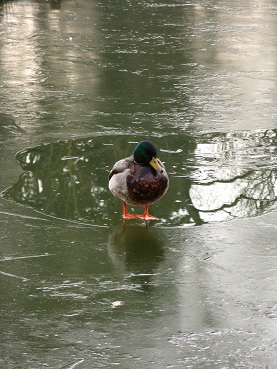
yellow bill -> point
(155, 164)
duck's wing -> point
(121, 165)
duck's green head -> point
(146, 153)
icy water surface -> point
(80, 84)
(213, 177)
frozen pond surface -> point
(80, 84)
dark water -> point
(213, 177)
(80, 84)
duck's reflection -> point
(214, 178)
(136, 252)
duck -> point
(139, 180)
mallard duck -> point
(139, 180)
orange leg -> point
(144, 216)
(126, 214)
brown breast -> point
(146, 185)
